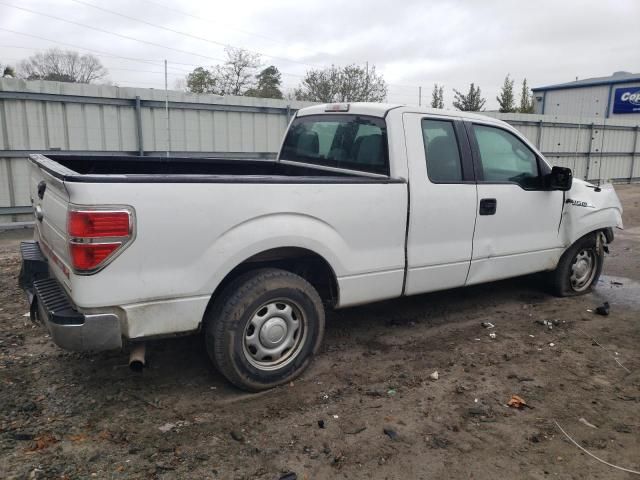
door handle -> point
(488, 206)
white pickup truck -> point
(365, 202)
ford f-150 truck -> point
(364, 202)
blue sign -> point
(627, 100)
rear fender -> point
(271, 231)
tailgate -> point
(50, 200)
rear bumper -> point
(50, 304)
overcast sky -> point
(411, 42)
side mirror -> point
(560, 178)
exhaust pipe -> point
(137, 359)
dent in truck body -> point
(587, 210)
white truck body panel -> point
(190, 236)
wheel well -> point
(309, 265)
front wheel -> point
(264, 328)
(579, 267)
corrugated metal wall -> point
(594, 148)
(58, 117)
(50, 117)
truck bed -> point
(120, 169)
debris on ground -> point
(603, 309)
(487, 325)
(391, 433)
(237, 436)
(492, 335)
(587, 423)
(518, 402)
(289, 476)
(167, 427)
(321, 423)
(356, 431)
(43, 441)
(434, 376)
(548, 323)
(391, 392)
(438, 442)
(614, 282)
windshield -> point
(344, 141)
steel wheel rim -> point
(583, 270)
(274, 335)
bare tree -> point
(342, 84)
(239, 71)
(62, 66)
(234, 77)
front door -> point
(517, 227)
(443, 202)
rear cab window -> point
(354, 142)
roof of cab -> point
(381, 110)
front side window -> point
(441, 151)
(505, 158)
(344, 141)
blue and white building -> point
(615, 96)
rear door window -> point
(441, 151)
(343, 141)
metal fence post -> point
(139, 126)
(539, 138)
(586, 175)
(633, 154)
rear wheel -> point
(264, 328)
(579, 267)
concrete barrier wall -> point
(54, 117)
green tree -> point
(351, 83)
(470, 102)
(201, 81)
(437, 96)
(526, 99)
(268, 86)
(506, 99)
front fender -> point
(587, 210)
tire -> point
(579, 268)
(264, 329)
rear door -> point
(517, 228)
(443, 202)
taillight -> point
(97, 224)
(95, 236)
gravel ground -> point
(71, 415)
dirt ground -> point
(70, 415)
